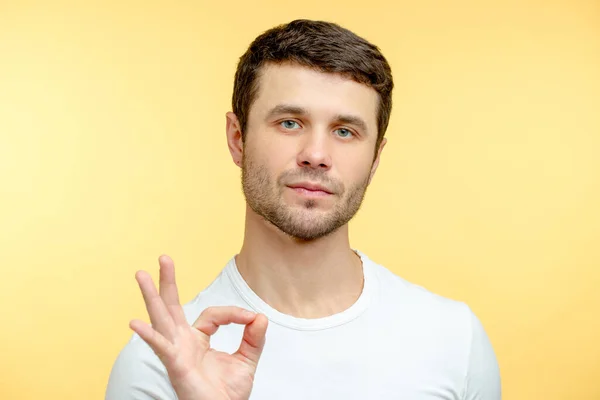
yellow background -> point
(112, 152)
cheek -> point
(355, 168)
(277, 154)
(268, 160)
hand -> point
(196, 371)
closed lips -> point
(310, 186)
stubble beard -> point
(264, 195)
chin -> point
(309, 214)
(311, 228)
(307, 235)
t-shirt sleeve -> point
(138, 374)
(483, 374)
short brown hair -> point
(324, 46)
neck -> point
(311, 279)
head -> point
(311, 105)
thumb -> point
(253, 341)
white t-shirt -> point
(397, 341)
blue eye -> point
(342, 132)
(288, 124)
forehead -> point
(320, 93)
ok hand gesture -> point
(196, 371)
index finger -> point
(211, 318)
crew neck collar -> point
(288, 321)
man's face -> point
(308, 151)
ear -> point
(376, 162)
(234, 138)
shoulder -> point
(448, 326)
(398, 295)
(420, 315)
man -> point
(299, 313)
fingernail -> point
(248, 313)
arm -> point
(483, 375)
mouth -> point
(310, 189)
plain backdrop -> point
(113, 152)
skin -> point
(303, 127)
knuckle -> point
(208, 312)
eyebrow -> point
(286, 109)
(352, 120)
(296, 110)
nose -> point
(314, 151)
